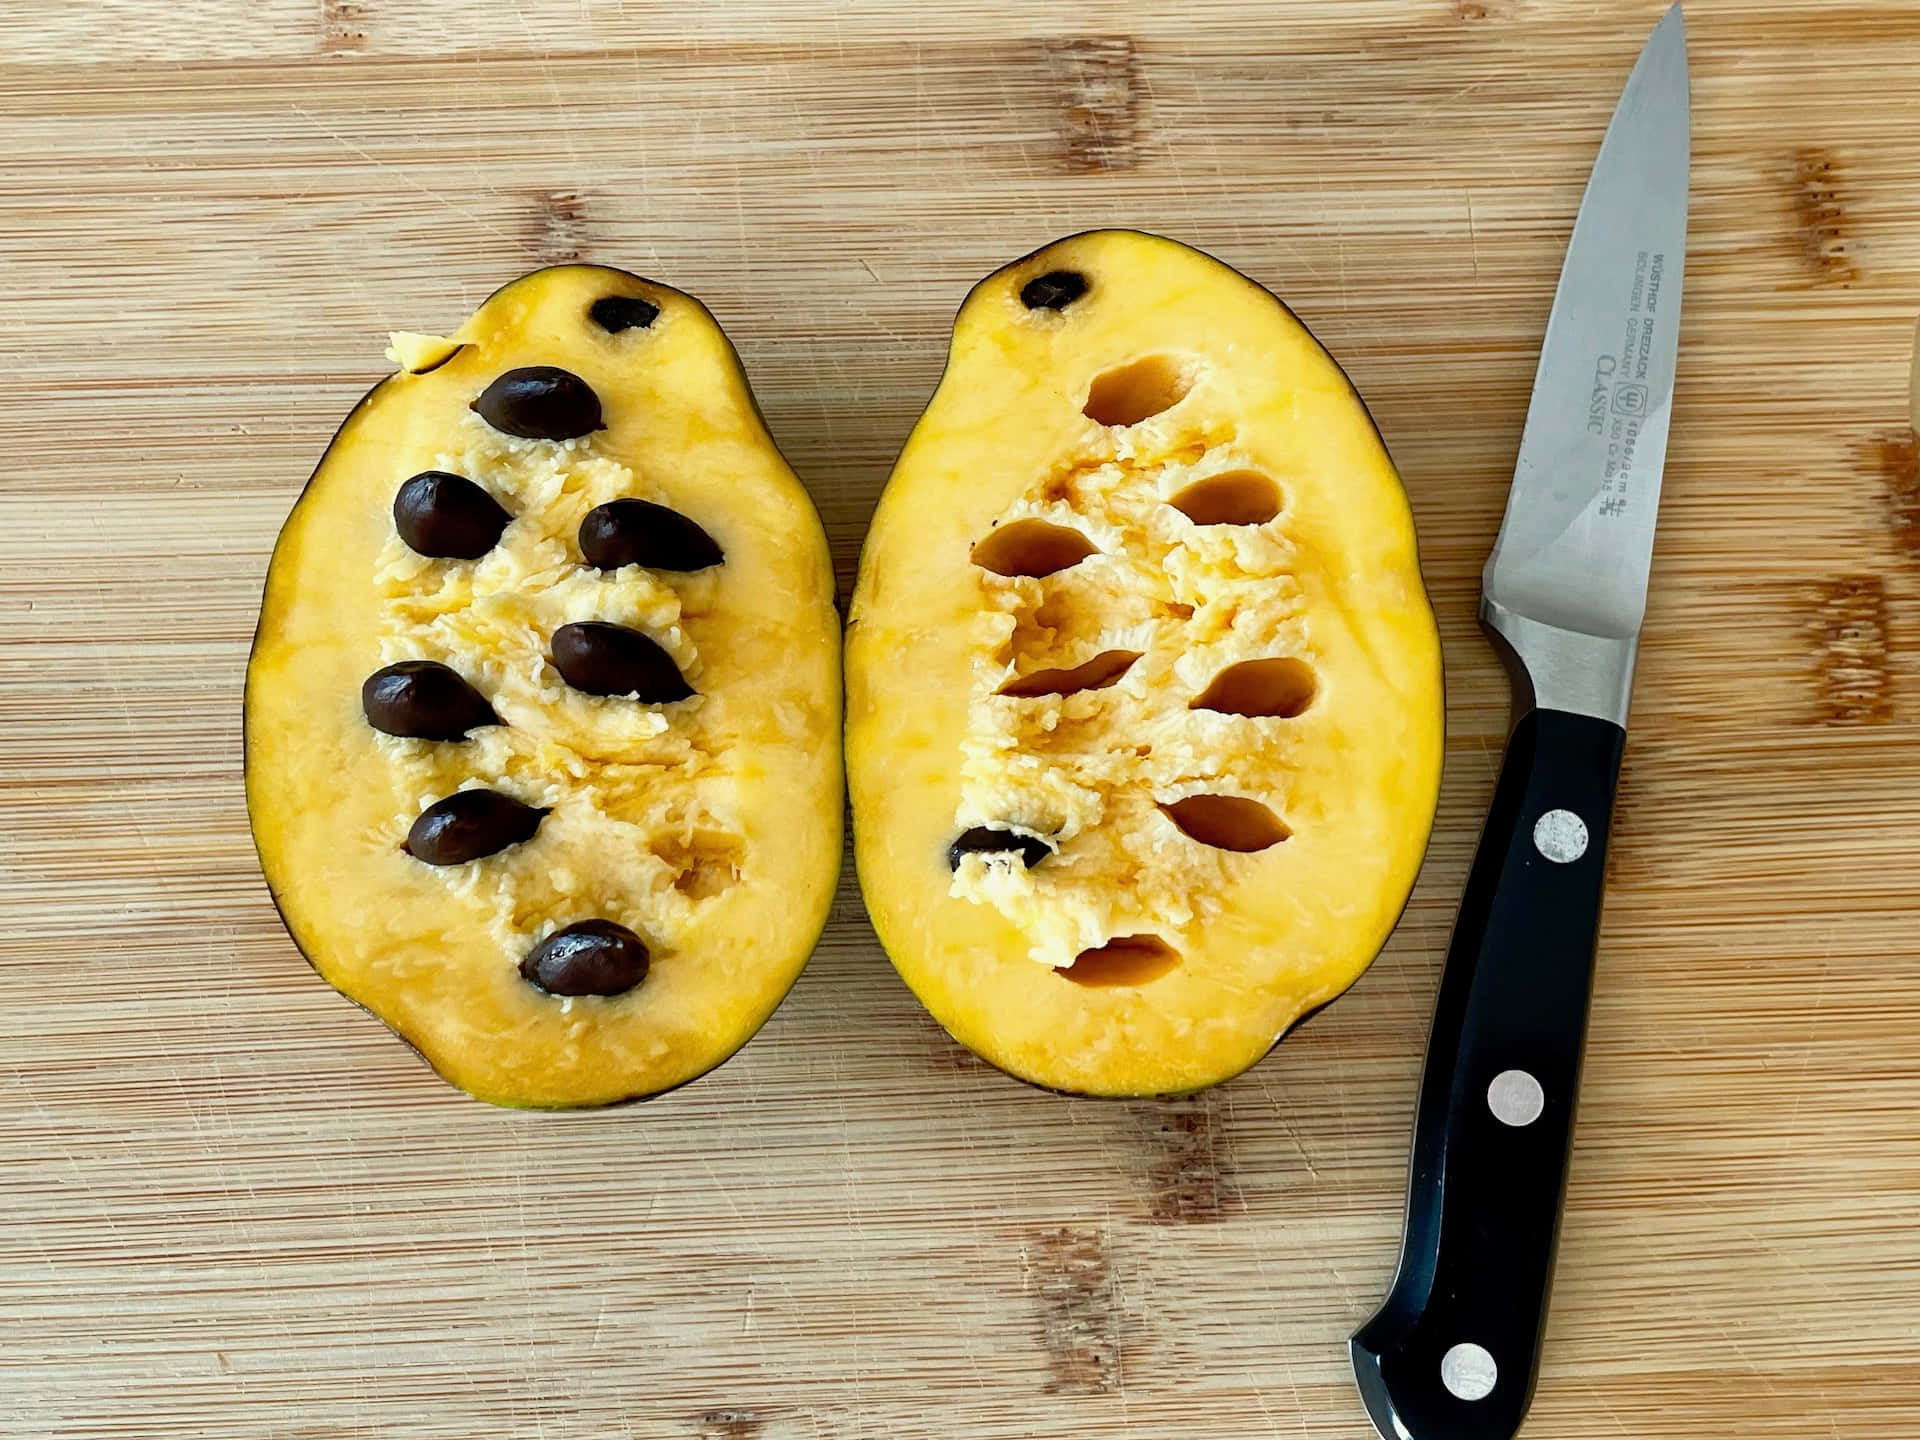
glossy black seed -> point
(469, 824)
(594, 957)
(604, 659)
(638, 532)
(985, 840)
(1054, 290)
(614, 313)
(540, 402)
(424, 700)
(447, 516)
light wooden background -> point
(231, 1205)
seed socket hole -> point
(1032, 547)
(1282, 687)
(1123, 960)
(1228, 822)
(992, 840)
(706, 862)
(1239, 497)
(1138, 390)
(1096, 674)
(1054, 290)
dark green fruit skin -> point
(300, 945)
(1304, 1015)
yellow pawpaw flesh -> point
(1144, 704)
(542, 714)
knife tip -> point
(1666, 47)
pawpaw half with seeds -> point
(1144, 692)
(542, 715)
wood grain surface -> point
(234, 1206)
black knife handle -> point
(1452, 1353)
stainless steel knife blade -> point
(1567, 582)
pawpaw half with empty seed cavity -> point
(542, 715)
(1144, 693)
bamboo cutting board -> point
(235, 1207)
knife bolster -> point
(1558, 669)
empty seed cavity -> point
(1032, 547)
(1227, 822)
(990, 840)
(1096, 674)
(1123, 960)
(1054, 290)
(1282, 686)
(706, 862)
(1238, 497)
(1138, 390)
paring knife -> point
(1453, 1352)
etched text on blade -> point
(1575, 546)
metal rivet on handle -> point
(1561, 836)
(1468, 1371)
(1516, 1098)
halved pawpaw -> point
(1144, 693)
(542, 713)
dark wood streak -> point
(1895, 458)
(560, 227)
(343, 26)
(1847, 621)
(1081, 1323)
(1186, 1165)
(731, 1425)
(1097, 78)
(1821, 216)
